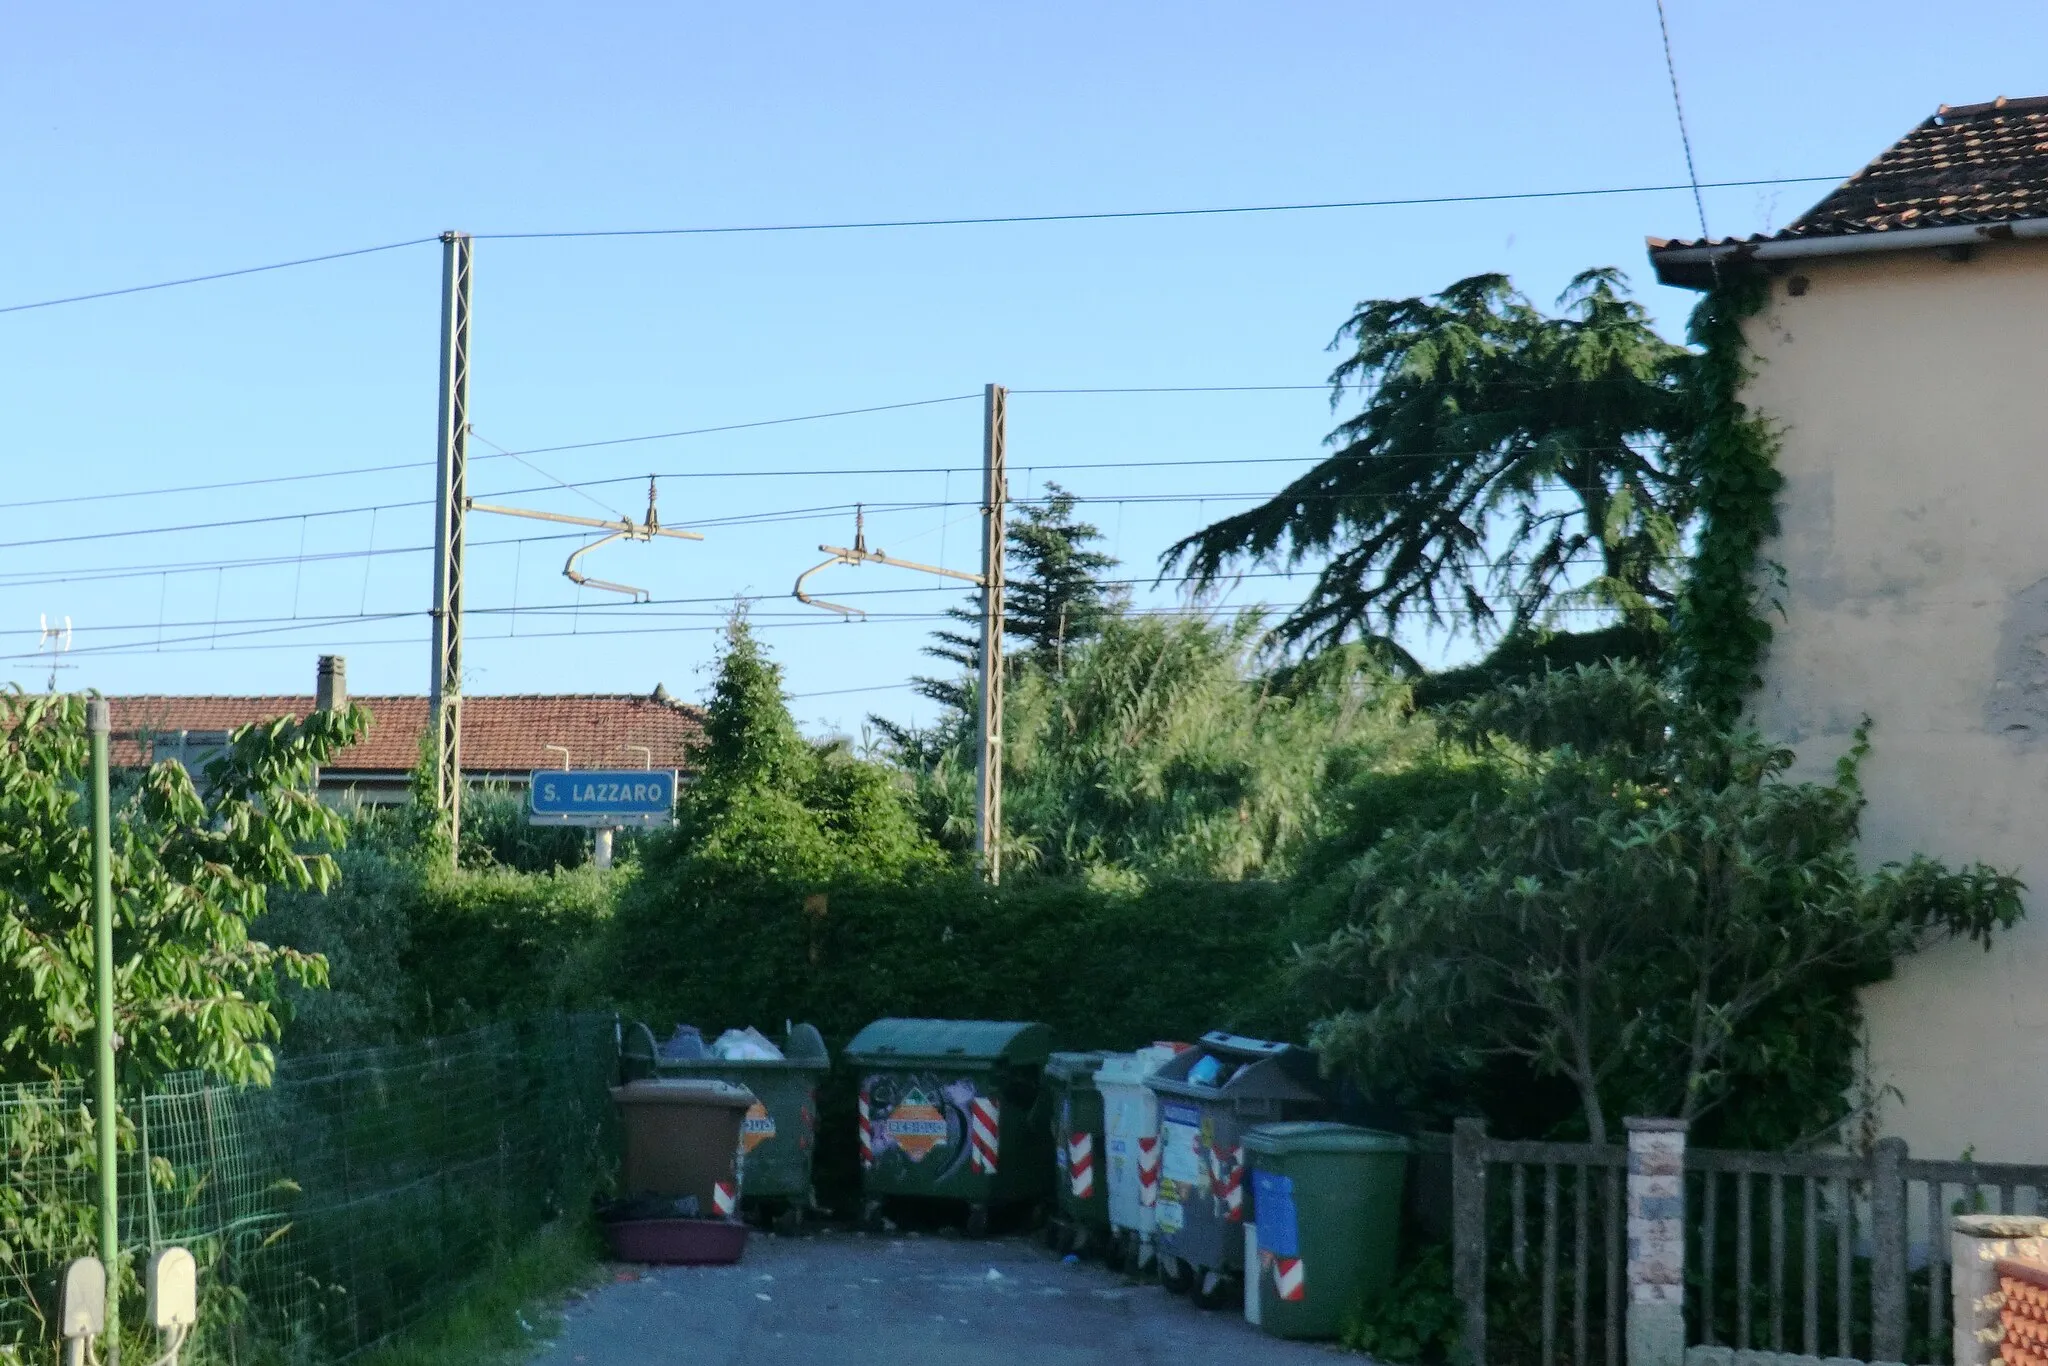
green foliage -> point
(514, 1303)
(1054, 599)
(416, 948)
(1731, 460)
(1524, 654)
(1647, 910)
(1415, 1319)
(1499, 453)
(1162, 750)
(192, 866)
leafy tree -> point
(192, 866)
(1499, 454)
(1647, 909)
(1053, 598)
(1160, 749)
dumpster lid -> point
(988, 1041)
(1320, 1136)
(1072, 1067)
(1131, 1069)
(1245, 1069)
(683, 1091)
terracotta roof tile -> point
(499, 734)
(1963, 165)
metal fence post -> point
(1888, 1250)
(1975, 1243)
(1656, 1242)
(1468, 1233)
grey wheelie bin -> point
(947, 1110)
(780, 1133)
(1208, 1096)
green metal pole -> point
(107, 1117)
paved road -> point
(837, 1299)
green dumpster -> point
(780, 1132)
(1327, 1223)
(946, 1111)
(1080, 1174)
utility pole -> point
(995, 492)
(106, 1118)
(451, 507)
(995, 495)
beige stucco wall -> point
(1912, 393)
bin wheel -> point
(1113, 1251)
(1216, 1290)
(790, 1222)
(1078, 1240)
(977, 1221)
(1176, 1275)
(1053, 1234)
(871, 1216)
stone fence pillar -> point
(1975, 1243)
(1656, 1242)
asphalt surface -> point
(841, 1299)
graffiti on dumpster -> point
(920, 1115)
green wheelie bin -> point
(779, 1134)
(1328, 1223)
(1080, 1220)
(948, 1111)
(1209, 1096)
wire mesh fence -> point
(328, 1209)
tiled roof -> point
(1975, 163)
(499, 734)
(1964, 165)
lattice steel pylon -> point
(451, 507)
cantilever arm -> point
(859, 555)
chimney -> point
(330, 687)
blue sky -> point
(147, 142)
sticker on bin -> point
(1180, 1135)
(867, 1134)
(725, 1198)
(1273, 1197)
(1081, 1165)
(758, 1127)
(916, 1126)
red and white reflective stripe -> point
(867, 1134)
(1081, 1165)
(983, 1119)
(1227, 1183)
(725, 1199)
(1287, 1273)
(1148, 1171)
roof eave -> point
(1695, 267)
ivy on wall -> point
(1722, 632)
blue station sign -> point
(603, 796)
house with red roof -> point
(1902, 360)
(504, 738)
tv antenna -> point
(56, 642)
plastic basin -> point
(679, 1242)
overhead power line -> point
(1306, 206)
(1108, 215)
(215, 275)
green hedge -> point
(1106, 966)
